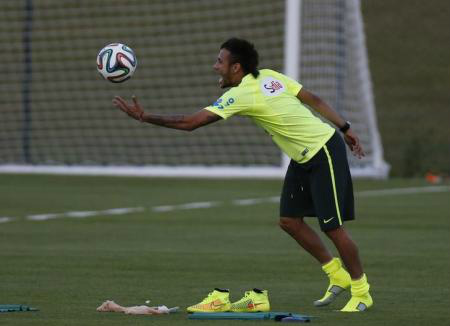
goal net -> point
(57, 115)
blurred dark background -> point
(408, 44)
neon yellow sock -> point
(361, 299)
(333, 266)
(360, 287)
(339, 281)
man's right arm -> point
(182, 121)
(186, 122)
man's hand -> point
(135, 111)
(353, 142)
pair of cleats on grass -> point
(258, 300)
(219, 301)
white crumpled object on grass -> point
(111, 306)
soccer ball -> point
(116, 62)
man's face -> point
(224, 68)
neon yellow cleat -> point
(361, 299)
(339, 282)
(357, 304)
(253, 301)
(216, 301)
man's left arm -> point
(316, 103)
(186, 122)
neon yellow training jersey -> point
(271, 102)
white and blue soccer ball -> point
(116, 62)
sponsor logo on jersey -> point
(220, 104)
(272, 87)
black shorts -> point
(321, 187)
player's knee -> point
(284, 222)
(336, 232)
(289, 224)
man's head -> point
(237, 58)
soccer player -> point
(317, 182)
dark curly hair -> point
(243, 52)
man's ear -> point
(236, 67)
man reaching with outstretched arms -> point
(317, 182)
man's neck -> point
(237, 79)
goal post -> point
(57, 115)
(292, 33)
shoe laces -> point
(210, 294)
(246, 296)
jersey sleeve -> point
(229, 104)
(293, 86)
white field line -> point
(169, 208)
(255, 201)
(209, 204)
(85, 214)
(401, 191)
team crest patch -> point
(272, 87)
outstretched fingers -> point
(135, 101)
(133, 110)
(121, 104)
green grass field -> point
(67, 266)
